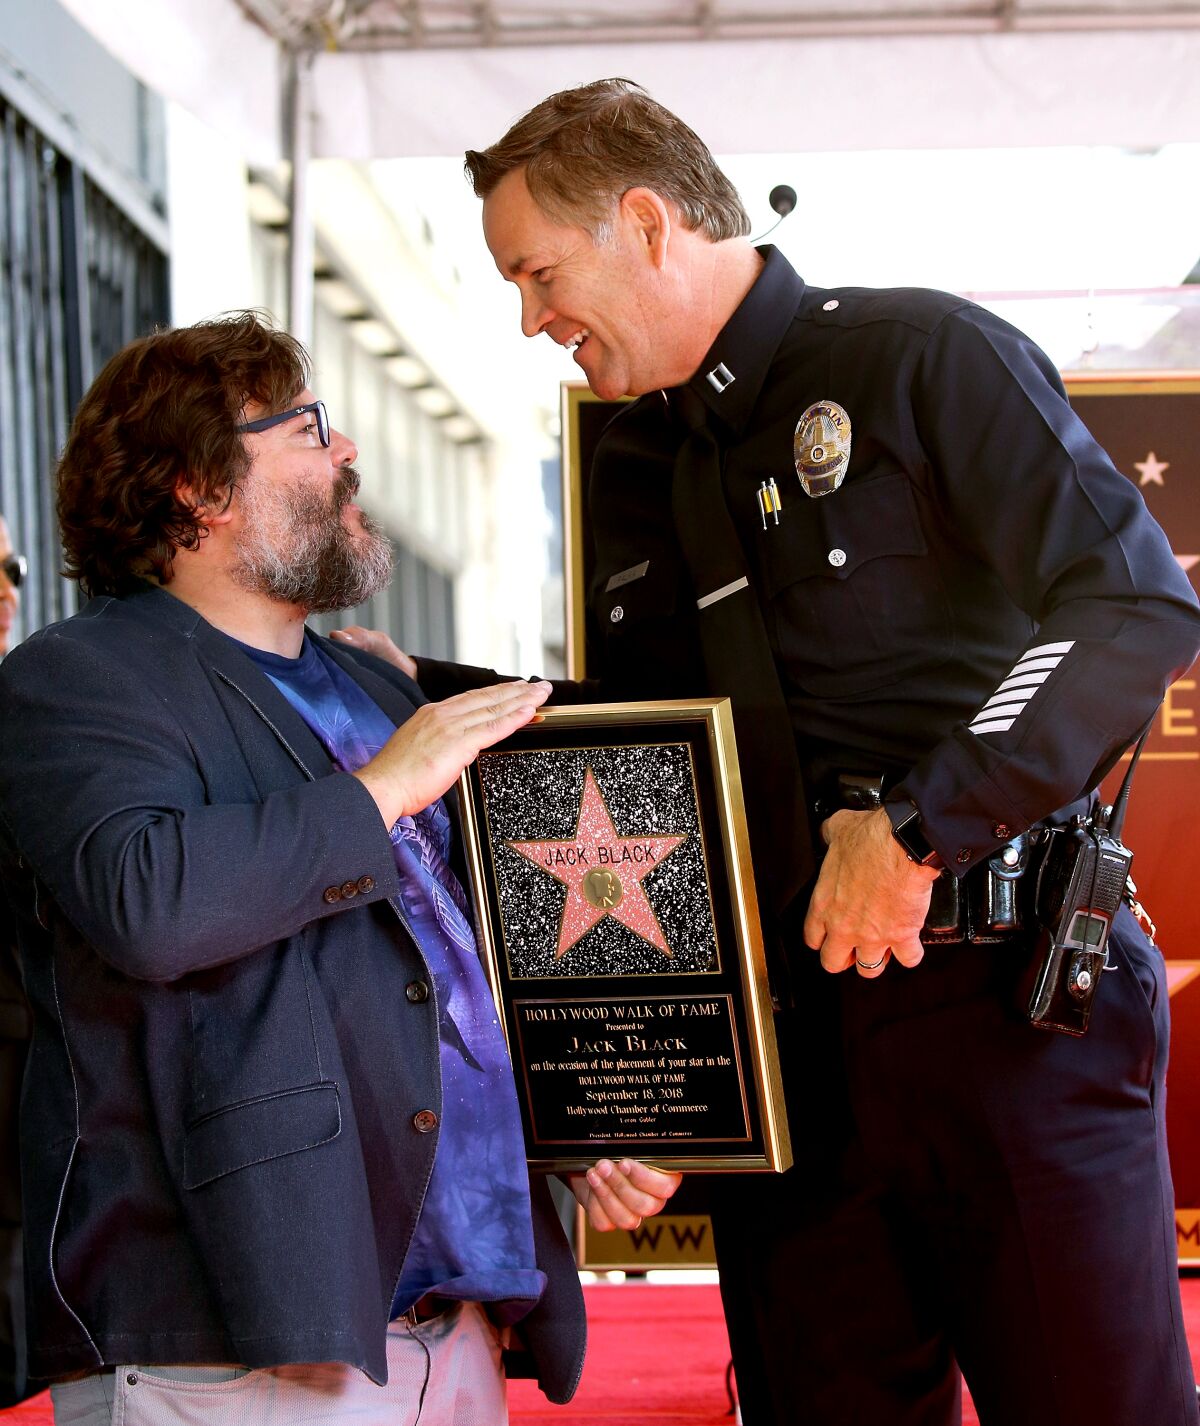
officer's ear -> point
(649, 219)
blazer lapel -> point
(248, 698)
(248, 693)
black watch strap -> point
(905, 817)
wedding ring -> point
(870, 965)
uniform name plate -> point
(610, 868)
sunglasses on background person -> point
(15, 568)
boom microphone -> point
(782, 199)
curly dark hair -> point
(161, 415)
(583, 148)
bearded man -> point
(272, 1158)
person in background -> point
(13, 570)
(14, 1045)
(872, 519)
(272, 1151)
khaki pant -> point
(442, 1372)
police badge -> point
(821, 447)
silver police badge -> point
(822, 448)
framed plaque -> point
(618, 924)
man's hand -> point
(375, 641)
(621, 1195)
(424, 756)
(870, 900)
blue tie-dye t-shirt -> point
(474, 1236)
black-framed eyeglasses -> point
(264, 423)
(15, 568)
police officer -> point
(872, 518)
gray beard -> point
(315, 562)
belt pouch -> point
(944, 919)
(995, 908)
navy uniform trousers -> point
(971, 1188)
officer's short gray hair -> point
(583, 148)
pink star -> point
(602, 872)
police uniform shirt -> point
(984, 609)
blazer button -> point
(417, 992)
(366, 883)
(332, 894)
(349, 889)
(424, 1121)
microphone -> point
(782, 199)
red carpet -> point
(656, 1357)
(655, 1354)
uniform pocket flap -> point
(256, 1130)
(858, 523)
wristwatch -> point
(905, 817)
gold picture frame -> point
(610, 867)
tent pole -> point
(298, 131)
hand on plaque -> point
(620, 1195)
(425, 755)
(375, 641)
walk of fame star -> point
(602, 872)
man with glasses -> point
(273, 1157)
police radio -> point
(1082, 877)
(1079, 887)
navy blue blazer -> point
(220, 1160)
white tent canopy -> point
(399, 78)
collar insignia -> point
(821, 447)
